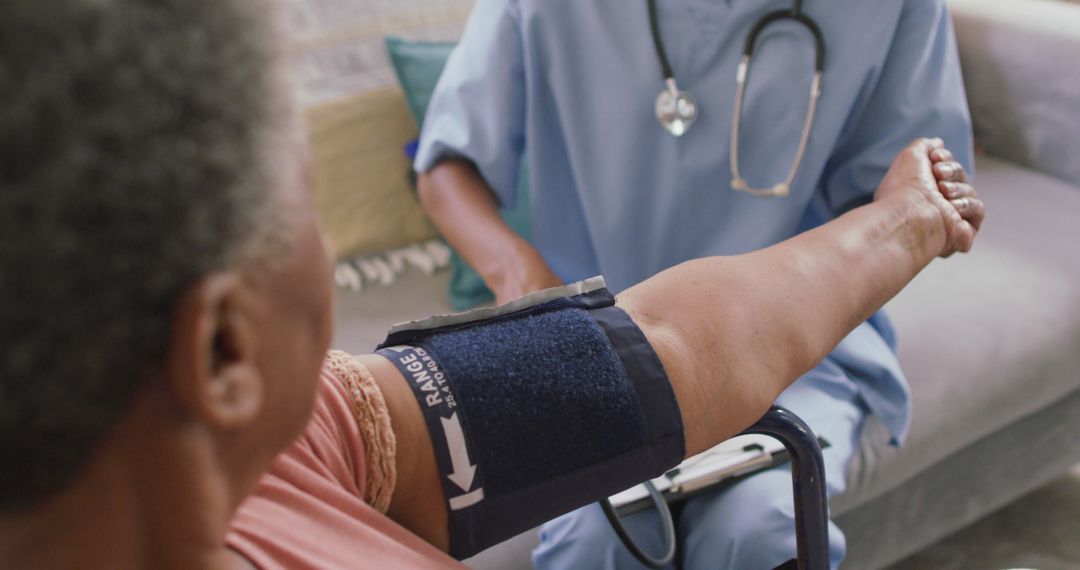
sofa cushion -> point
(1022, 88)
(418, 65)
(978, 479)
(361, 174)
(985, 338)
(358, 119)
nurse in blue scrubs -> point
(572, 85)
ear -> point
(211, 363)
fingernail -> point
(946, 170)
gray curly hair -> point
(133, 160)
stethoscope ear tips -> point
(676, 110)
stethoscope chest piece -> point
(676, 110)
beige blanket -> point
(358, 119)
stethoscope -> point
(677, 110)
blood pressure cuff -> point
(537, 407)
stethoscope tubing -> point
(738, 182)
(795, 14)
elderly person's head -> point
(164, 288)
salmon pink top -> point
(321, 503)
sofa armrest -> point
(1020, 62)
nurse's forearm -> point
(465, 211)
(734, 332)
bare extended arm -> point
(733, 332)
(464, 209)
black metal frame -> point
(808, 485)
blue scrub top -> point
(571, 85)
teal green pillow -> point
(418, 66)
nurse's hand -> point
(522, 273)
(465, 210)
(926, 174)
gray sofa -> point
(990, 341)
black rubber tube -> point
(661, 54)
(666, 523)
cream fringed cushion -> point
(362, 189)
(358, 119)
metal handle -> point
(808, 481)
